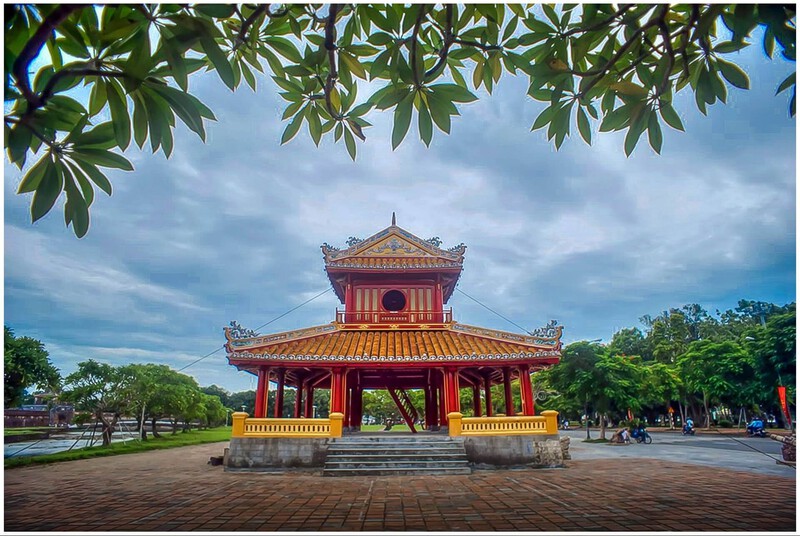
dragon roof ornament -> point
(236, 331)
(393, 241)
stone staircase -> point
(393, 454)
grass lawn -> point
(22, 431)
(380, 427)
(166, 441)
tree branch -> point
(485, 48)
(34, 45)
(623, 8)
(446, 43)
(330, 46)
(614, 59)
(249, 22)
(414, 34)
(47, 92)
(662, 26)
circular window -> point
(394, 300)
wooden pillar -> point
(309, 401)
(278, 410)
(525, 390)
(452, 398)
(507, 387)
(476, 400)
(262, 394)
(338, 391)
(441, 399)
(298, 397)
(487, 389)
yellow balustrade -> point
(546, 423)
(252, 427)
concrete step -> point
(391, 455)
(406, 471)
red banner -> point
(784, 407)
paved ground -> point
(176, 490)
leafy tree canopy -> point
(598, 68)
(25, 364)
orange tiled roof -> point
(348, 345)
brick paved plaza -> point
(176, 490)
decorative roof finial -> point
(394, 220)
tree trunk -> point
(174, 426)
(155, 431)
(108, 429)
(705, 407)
(682, 412)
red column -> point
(278, 410)
(487, 389)
(309, 409)
(262, 393)
(476, 400)
(298, 397)
(452, 398)
(442, 399)
(357, 407)
(507, 387)
(338, 391)
(525, 390)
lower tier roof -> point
(338, 344)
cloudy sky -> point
(231, 229)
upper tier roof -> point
(394, 249)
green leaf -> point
(440, 111)
(220, 11)
(139, 120)
(637, 128)
(19, 141)
(94, 174)
(102, 136)
(30, 182)
(425, 125)
(103, 158)
(733, 74)
(292, 128)
(218, 60)
(285, 48)
(288, 85)
(402, 120)
(788, 82)
(350, 143)
(654, 133)
(314, 125)
(176, 62)
(670, 116)
(583, 126)
(616, 119)
(726, 47)
(119, 114)
(97, 97)
(545, 117)
(353, 64)
(453, 92)
(46, 194)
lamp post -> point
(586, 402)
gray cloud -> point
(231, 229)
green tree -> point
(597, 68)
(718, 371)
(774, 350)
(223, 395)
(26, 364)
(629, 341)
(101, 389)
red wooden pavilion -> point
(393, 334)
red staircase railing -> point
(406, 407)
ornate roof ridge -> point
(282, 336)
(357, 246)
(549, 335)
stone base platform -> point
(515, 450)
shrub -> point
(724, 423)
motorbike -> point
(641, 435)
(756, 429)
(687, 430)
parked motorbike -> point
(641, 435)
(756, 429)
